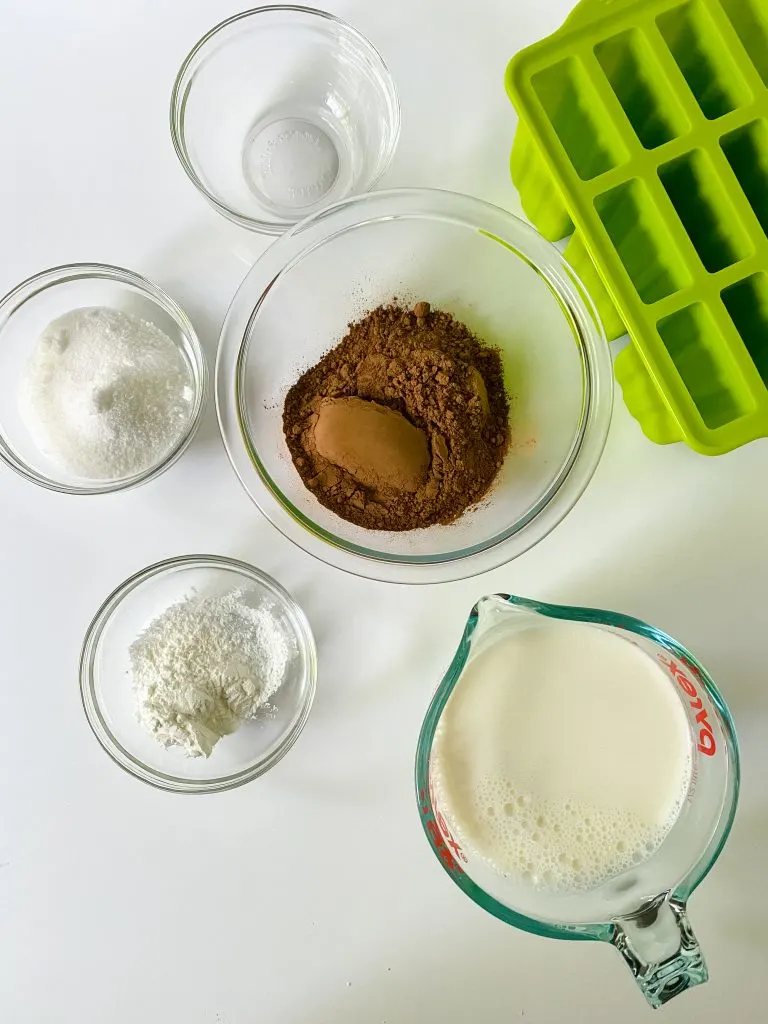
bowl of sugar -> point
(102, 379)
(198, 674)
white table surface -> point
(311, 896)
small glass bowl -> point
(108, 696)
(26, 311)
(494, 273)
(279, 111)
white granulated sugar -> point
(206, 664)
(105, 394)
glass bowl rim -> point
(186, 74)
(574, 474)
(91, 706)
(32, 286)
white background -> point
(311, 896)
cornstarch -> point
(206, 664)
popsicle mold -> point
(643, 138)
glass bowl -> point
(107, 693)
(281, 110)
(26, 311)
(494, 273)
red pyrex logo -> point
(445, 845)
(706, 744)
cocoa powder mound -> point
(430, 369)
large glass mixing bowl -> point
(494, 273)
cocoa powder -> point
(430, 369)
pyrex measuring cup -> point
(642, 912)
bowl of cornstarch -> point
(198, 673)
(102, 379)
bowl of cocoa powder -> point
(413, 386)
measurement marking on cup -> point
(706, 744)
(448, 849)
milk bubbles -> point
(563, 756)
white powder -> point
(204, 665)
(105, 394)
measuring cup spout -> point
(500, 609)
(661, 950)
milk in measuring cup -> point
(563, 756)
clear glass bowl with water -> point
(279, 111)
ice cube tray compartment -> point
(746, 150)
(705, 61)
(644, 123)
(747, 305)
(692, 339)
(642, 240)
(750, 22)
(707, 215)
(628, 62)
(573, 108)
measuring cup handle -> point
(661, 950)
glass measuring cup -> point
(642, 911)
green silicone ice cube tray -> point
(643, 135)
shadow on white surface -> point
(202, 269)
